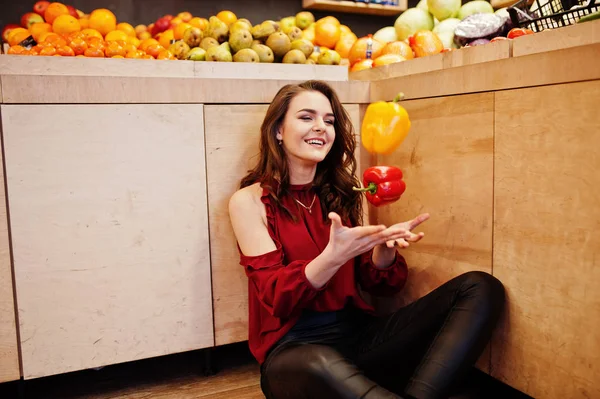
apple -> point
(73, 11)
(31, 18)
(161, 25)
(168, 17)
(40, 7)
(6, 30)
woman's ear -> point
(278, 136)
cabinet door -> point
(9, 352)
(232, 136)
(109, 227)
(546, 241)
(447, 161)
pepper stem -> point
(399, 97)
(371, 188)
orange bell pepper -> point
(385, 126)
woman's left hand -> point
(409, 226)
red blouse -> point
(278, 289)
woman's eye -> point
(329, 122)
(305, 118)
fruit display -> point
(433, 27)
(57, 29)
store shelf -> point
(355, 8)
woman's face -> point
(307, 130)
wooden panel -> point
(69, 66)
(354, 7)
(456, 58)
(228, 157)
(556, 39)
(110, 233)
(546, 242)
(9, 351)
(25, 89)
(447, 161)
(532, 70)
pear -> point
(240, 24)
(303, 45)
(304, 19)
(276, 25)
(197, 54)
(256, 42)
(294, 33)
(208, 42)
(246, 55)
(311, 61)
(263, 31)
(240, 39)
(287, 24)
(217, 29)
(265, 54)
(294, 57)
(280, 43)
(180, 49)
(193, 36)
(329, 57)
(219, 53)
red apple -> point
(161, 25)
(73, 11)
(168, 17)
(40, 7)
(6, 30)
(30, 18)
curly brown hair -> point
(335, 175)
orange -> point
(165, 55)
(327, 34)
(56, 41)
(65, 24)
(387, 59)
(227, 16)
(185, 16)
(54, 11)
(198, 22)
(87, 33)
(78, 45)
(134, 40)
(127, 28)
(175, 21)
(84, 22)
(400, 48)
(141, 28)
(147, 57)
(103, 20)
(345, 29)
(94, 52)
(17, 36)
(15, 50)
(65, 51)
(180, 30)
(345, 43)
(134, 54)
(329, 19)
(94, 42)
(144, 44)
(117, 56)
(154, 49)
(166, 37)
(48, 51)
(144, 35)
(115, 35)
(114, 48)
(128, 46)
(359, 49)
(36, 30)
(44, 36)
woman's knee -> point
(484, 286)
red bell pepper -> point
(383, 185)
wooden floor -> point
(235, 375)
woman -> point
(297, 222)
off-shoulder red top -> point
(278, 289)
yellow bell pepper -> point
(385, 126)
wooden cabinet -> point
(109, 230)
(232, 136)
(546, 239)
(447, 161)
(9, 351)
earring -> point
(280, 142)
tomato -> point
(516, 32)
(497, 39)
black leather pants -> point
(419, 352)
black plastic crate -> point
(550, 14)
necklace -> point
(309, 208)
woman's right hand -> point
(346, 243)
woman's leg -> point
(435, 339)
(316, 371)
